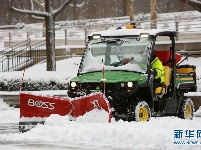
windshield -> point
(117, 54)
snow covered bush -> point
(31, 85)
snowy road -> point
(49, 146)
(59, 134)
(9, 128)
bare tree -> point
(49, 16)
(194, 3)
(6, 15)
(153, 14)
(91, 9)
(131, 10)
(75, 7)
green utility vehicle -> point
(118, 63)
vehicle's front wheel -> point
(139, 111)
(186, 109)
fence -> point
(16, 56)
(10, 58)
(24, 44)
(186, 28)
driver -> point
(158, 69)
(127, 60)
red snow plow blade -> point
(35, 109)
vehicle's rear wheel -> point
(186, 109)
(139, 111)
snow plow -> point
(117, 65)
(35, 109)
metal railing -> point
(17, 56)
(10, 56)
(38, 52)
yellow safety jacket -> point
(157, 65)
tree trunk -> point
(75, 10)
(43, 9)
(131, 10)
(131, 13)
(10, 12)
(181, 7)
(124, 6)
(153, 14)
(50, 37)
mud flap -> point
(35, 109)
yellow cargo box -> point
(186, 69)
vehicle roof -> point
(132, 32)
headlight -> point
(144, 35)
(73, 84)
(130, 84)
(96, 36)
(122, 84)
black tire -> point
(186, 109)
(139, 111)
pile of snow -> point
(158, 133)
(3, 105)
(198, 112)
(92, 131)
(8, 114)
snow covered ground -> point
(165, 133)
